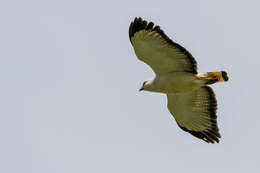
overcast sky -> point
(69, 87)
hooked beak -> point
(141, 89)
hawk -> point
(190, 100)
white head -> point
(147, 85)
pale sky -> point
(69, 87)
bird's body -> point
(190, 100)
(175, 82)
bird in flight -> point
(190, 100)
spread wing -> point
(157, 50)
(195, 112)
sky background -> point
(69, 87)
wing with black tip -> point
(156, 49)
(195, 112)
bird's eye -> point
(144, 83)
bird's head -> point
(146, 85)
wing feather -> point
(155, 48)
(195, 112)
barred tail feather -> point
(213, 77)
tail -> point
(213, 77)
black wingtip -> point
(139, 24)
